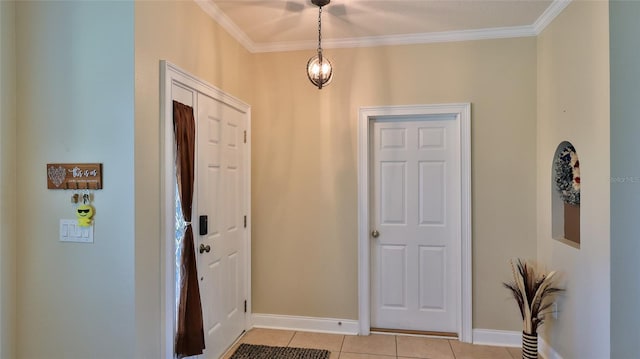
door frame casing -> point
(366, 116)
(170, 74)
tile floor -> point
(377, 346)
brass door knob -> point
(375, 233)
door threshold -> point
(232, 348)
(426, 333)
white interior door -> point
(220, 196)
(415, 213)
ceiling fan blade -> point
(294, 6)
(338, 10)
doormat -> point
(250, 351)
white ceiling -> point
(279, 25)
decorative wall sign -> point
(74, 175)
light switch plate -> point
(71, 232)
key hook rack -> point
(74, 176)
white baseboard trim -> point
(501, 338)
(506, 338)
(547, 350)
(309, 324)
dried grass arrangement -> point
(533, 292)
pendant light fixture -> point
(319, 68)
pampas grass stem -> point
(532, 292)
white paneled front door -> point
(220, 195)
(415, 219)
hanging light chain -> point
(319, 28)
(320, 77)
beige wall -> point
(573, 105)
(304, 167)
(304, 163)
(7, 179)
(180, 32)
(75, 104)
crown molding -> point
(549, 14)
(535, 29)
(409, 39)
(223, 20)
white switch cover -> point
(71, 232)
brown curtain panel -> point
(190, 332)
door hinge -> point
(245, 221)
(245, 136)
(245, 306)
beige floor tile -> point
(419, 347)
(377, 346)
(344, 355)
(372, 344)
(331, 342)
(469, 351)
(268, 337)
(516, 353)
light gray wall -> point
(625, 178)
(75, 65)
(7, 179)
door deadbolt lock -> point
(203, 225)
(204, 248)
(375, 233)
